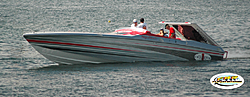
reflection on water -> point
(113, 66)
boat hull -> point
(79, 48)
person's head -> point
(161, 31)
(144, 27)
(167, 26)
(142, 20)
(135, 21)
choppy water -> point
(24, 72)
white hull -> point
(79, 48)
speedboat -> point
(127, 45)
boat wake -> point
(238, 55)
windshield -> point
(189, 32)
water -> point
(24, 72)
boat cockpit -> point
(184, 31)
(190, 31)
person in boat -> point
(134, 25)
(161, 33)
(144, 27)
(142, 24)
(171, 31)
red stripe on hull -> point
(41, 41)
